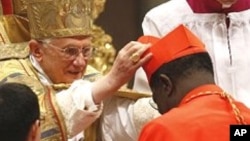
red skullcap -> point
(178, 43)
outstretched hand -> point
(128, 60)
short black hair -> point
(19, 109)
(182, 67)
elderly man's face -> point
(65, 60)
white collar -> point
(42, 76)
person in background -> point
(193, 107)
(223, 25)
(54, 63)
(19, 113)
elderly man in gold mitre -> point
(53, 61)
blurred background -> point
(122, 19)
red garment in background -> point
(7, 7)
(213, 6)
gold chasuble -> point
(16, 67)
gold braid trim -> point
(57, 114)
(235, 109)
(239, 118)
(91, 133)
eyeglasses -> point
(153, 104)
(71, 52)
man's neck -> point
(193, 81)
(213, 6)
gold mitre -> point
(59, 18)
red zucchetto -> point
(178, 43)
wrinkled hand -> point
(127, 62)
(122, 71)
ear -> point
(167, 84)
(36, 49)
(35, 132)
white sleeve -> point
(117, 120)
(123, 118)
(141, 82)
(77, 106)
(143, 112)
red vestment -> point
(204, 117)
